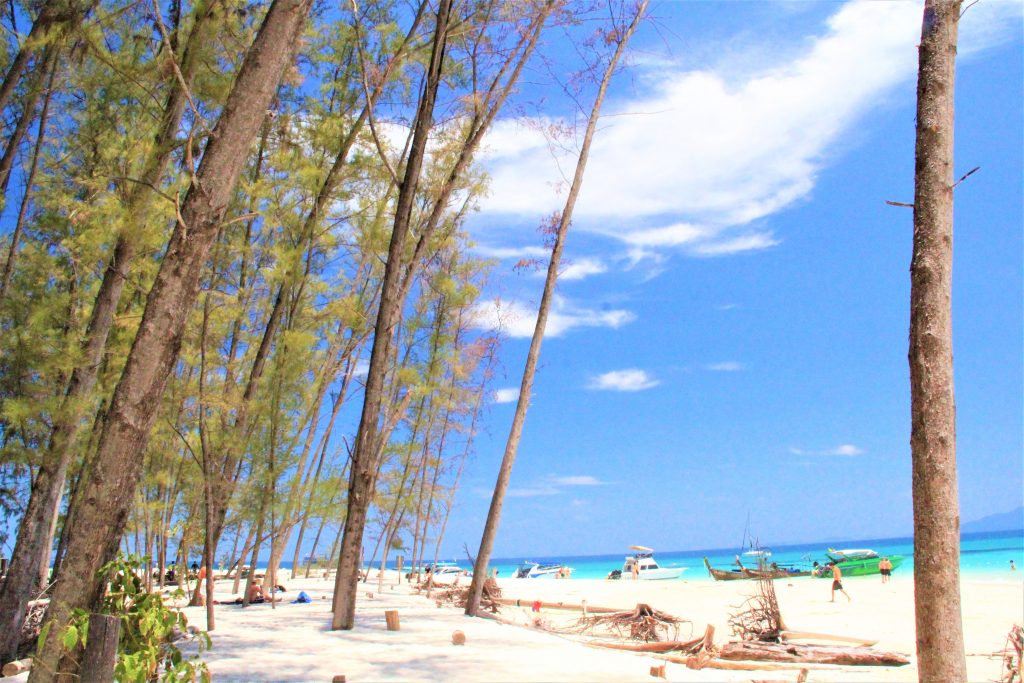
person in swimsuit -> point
(885, 569)
(837, 583)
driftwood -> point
(759, 617)
(1012, 654)
(705, 662)
(810, 654)
(519, 602)
(664, 646)
(809, 635)
(490, 598)
(16, 667)
(643, 623)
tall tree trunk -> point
(364, 456)
(32, 549)
(19, 227)
(115, 473)
(56, 18)
(940, 642)
(483, 556)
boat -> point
(725, 574)
(775, 571)
(854, 562)
(446, 569)
(647, 568)
(535, 570)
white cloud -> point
(576, 480)
(518, 320)
(532, 492)
(512, 252)
(845, 449)
(725, 366)
(716, 150)
(508, 395)
(579, 269)
(623, 380)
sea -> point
(982, 556)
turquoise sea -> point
(982, 555)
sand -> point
(293, 642)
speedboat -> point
(535, 570)
(446, 569)
(854, 562)
(647, 568)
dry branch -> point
(458, 596)
(812, 654)
(643, 623)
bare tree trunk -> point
(41, 514)
(54, 16)
(940, 643)
(364, 456)
(12, 253)
(483, 557)
(114, 476)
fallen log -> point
(813, 654)
(809, 635)
(16, 667)
(519, 602)
(700, 662)
(665, 646)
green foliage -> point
(146, 651)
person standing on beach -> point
(885, 569)
(1013, 567)
(837, 583)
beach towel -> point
(302, 598)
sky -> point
(730, 333)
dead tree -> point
(940, 642)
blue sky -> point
(731, 330)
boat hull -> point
(659, 574)
(859, 567)
(724, 574)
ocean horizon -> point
(982, 554)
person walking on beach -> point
(837, 583)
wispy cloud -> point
(579, 269)
(623, 380)
(532, 492)
(845, 449)
(576, 480)
(511, 252)
(507, 395)
(733, 143)
(725, 366)
(518, 320)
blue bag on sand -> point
(302, 597)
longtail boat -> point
(724, 574)
(774, 573)
(854, 562)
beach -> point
(292, 642)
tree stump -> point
(458, 638)
(658, 671)
(101, 648)
(338, 678)
(391, 616)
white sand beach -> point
(292, 642)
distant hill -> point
(1004, 521)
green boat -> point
(854, 562)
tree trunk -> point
(115, 473)
(364, 455)
(19, 227)
(41, 514)
(483, 557)
(940, 643)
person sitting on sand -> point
(256, 594)
(837, 583)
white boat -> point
(535, 570)
(647, 568)
(447, 569)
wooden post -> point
(101, 648)
(391, 616)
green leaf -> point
(70, 637)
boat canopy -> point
(854, 553)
